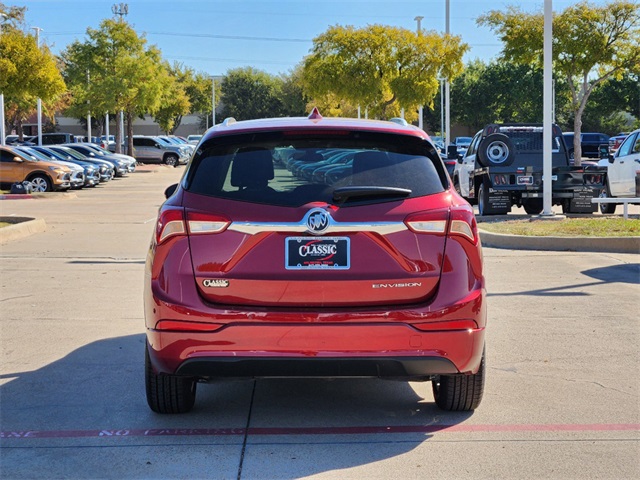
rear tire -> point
(168, 393)
(460, 393)
(533, 206)
(606, 208)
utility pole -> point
(88, 112)
(420, 108)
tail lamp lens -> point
(206, 223)
(428, 222)
(170, 223)
(463, 223)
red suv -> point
(255, 272)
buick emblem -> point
(317, 221)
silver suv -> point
(154, 150)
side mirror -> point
(18, 159)
(157, 145)
(610, 158)
(452, 152)
(170, 190)
(603, 149)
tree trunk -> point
(118, 134)
(130, 150)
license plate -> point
(525, 180)
(306, 253)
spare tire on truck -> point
(495, 150)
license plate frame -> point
(317, 253)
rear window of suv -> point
(293, 169)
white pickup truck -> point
(623, 172)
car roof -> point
(311, 123)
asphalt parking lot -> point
(561, 400)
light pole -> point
(420, 108)
(213, 97)
(447, 89)
(3, 17)
(39, 101)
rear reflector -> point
(449, 325)
(179, 326)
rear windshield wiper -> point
(344, 193)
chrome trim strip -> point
(253, 228)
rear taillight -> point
(428, 222)
(170, 224)
(463, 223)
(200, 222)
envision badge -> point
(396, 285)
(218, 283)
(317, 221)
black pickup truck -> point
(504, 165)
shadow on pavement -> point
(94, 397)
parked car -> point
(616, 141)
(194, 139)
(623, 172)
(155, 150)
(119, 160)
(120, 167)
(77, 172)
(253, 272)
(44, 176)
(54, 138)
(589, 143)
(462, 143)
(91, 170)
(107, 171)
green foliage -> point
(26, 74)
(380, 67)
(113, 70)
(591, 44)
(249, 93)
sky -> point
(214, 36)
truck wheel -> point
(171, 160)
(460, 393)
(483, 200)
(606, 208)
(532, 206)
(168, 393)
(496, 150)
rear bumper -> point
(302, 350)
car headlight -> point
(56, 169)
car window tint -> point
(297, 172)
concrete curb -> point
(575, 244)
(22, 227)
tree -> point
(250, 93)
(382, 68)
(175, 101)
(590, 45)
(26, 74)
(123, 74)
